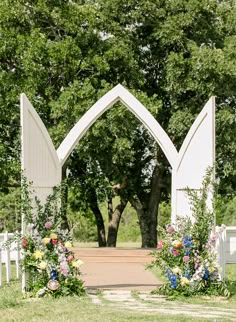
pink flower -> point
(54, 241)
(170, 229)
(64, 271)
(186, 259)
(70, 258)
(160, 245)
(24, 242)
(48, 225)
(175, 252)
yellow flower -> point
(42, 265)
(77, 263)
(68, 244)
(53, 236)
(38, 254)
(46, 240)
(211, 269)
(177, 244)
(176, 270)
(184, 281)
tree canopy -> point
(172, 54)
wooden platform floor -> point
(116, 268)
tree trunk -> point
(144, 223)
(114, 221)
(100, 225)
(64, 201)
(153, 205)
(147, 212)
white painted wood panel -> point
(40, 163)
(230, 245)
(196, 155)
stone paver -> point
(115, 273)
(145, 302)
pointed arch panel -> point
(118, 93)
(39, 161)
(196, 155)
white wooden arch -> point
(42, 163)
(39, 160)
(196, 155)
(118, 93)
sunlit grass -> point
(72, 309)
(13, 307)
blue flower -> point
(206, 275)
(53, 275)
(168, 273)
(187, 274)
(187, 241)
(173, 281)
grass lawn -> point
(72, 309)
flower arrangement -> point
(48, 260)
(189, 266)
(186, 253)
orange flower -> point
(177, 244)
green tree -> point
(173, 55)
(10, 216)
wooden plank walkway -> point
(116, 268)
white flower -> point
(77, 263)
(42, 265)
(61, 258)
(68, 244)
(176, 270)
(64, 268)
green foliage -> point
(10, 217)
(173, 55)
(164, 213)
(204, 218)
(129, 229)
(231, 278)
(80, 217)
(83, 226)
(226, 211)
(230, 213)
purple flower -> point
(48, 225)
